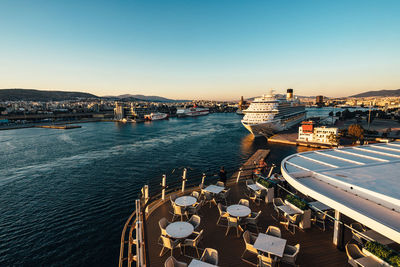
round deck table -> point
(179, 230)
(238, 211)
(185, 201)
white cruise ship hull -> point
(269, 128)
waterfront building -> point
(308, 132)
(118, 111)
(132, 111)
(319, 101)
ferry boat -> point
(268, 114)
(192, 112)
(156, 116)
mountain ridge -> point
(19, 94)
(384, 92)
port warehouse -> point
(319, 247)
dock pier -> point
(62, 127)
(247, 168)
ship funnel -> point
(289, 94)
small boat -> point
(156, 116)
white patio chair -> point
(355, 234)
(276, 203)
(320, 217)
(193, 242)
(195, 221)
(293, 221)
(232, 222)
(223, 195)
(274, 231)
(195, 194)
(172, 262)
(223, 214)
(179, 212)
(290, 254)
(249, 240)
(163, 223)
(265, 261)
(258, 196)
(244, 202)
(170, 244)
(172, 198)
(219, 183)
(209, 198)
(195, 209)
(353, 252)
(210, 256)
(252, 220)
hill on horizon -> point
(19, 94)
(145, 98)
(394, 92)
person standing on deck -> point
(222, 175)
(261, 167)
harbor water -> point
(65, 194)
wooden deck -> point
(316, 247)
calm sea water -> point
(65, 194)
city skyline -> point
(209, 50)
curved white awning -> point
(361, 182)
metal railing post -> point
(146, 196)
(238, 175)
(163, 184)
(184, 179)
(203, 178)
(138, 237)
(270, 171)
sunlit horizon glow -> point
(216, 50)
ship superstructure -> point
(268, 114)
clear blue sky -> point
(200, 49)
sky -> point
(208, 49)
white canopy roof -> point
(361, 182)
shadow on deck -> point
(316, 247)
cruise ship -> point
(268, 114)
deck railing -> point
(134, 237)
